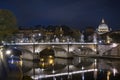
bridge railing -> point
(42, 43)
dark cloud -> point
(79, 13)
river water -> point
(52, 68)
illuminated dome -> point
(103, 28)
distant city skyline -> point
(74, 13)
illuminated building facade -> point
(103, 28)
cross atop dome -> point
(103, 21)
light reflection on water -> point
(76, 68)
(49, 67)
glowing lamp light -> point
(108, 75)
(20, 63)
(82, 46)
(21, 41)
(8, 52)
(114, 71)
(1, 52)
(100, 41)
(63, 40)
(12, 61)
(82, 68)
(42, 59)
(53, 71)
(51, 61)
(1, 55)
(114, 45)
(108, 41)
(43, 65)
(50, 56)
(39, 34)
(61, 74)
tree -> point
(75, 34)
(8, 24)
(115, 36)
(89, 32)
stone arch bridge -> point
(67, 46)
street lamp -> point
(8, 52)
(39, 35)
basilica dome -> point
(103, 28)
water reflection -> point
(49, 67)
(67, 69)
(64, 67)
(10, 64)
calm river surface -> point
(51, 68)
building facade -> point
(103, 28)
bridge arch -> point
(55, 51)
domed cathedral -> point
(103, 27)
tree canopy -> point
(8, 24)
(115, 36)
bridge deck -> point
(49, 43)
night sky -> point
(75, 13)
